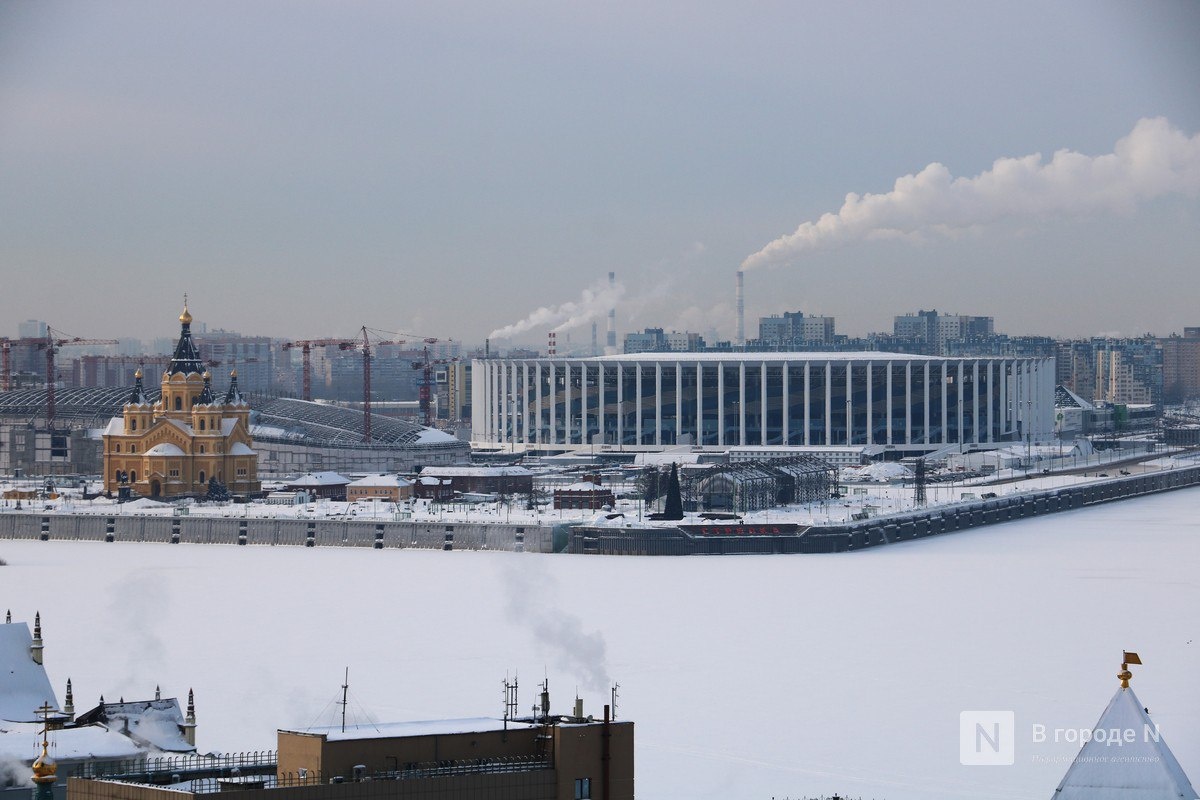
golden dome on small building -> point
(186, 316)
(44, 769)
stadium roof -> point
(278, 419)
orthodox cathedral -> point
(187, 442)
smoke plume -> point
(593, 303)
(1154, 160)
(533, 602)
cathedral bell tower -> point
(183, 381)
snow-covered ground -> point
(876, 497)
(748, 677)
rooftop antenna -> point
(345, 691)
(510, 700)
(615, 694)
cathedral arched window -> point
(178, 403)
(202, 476)
(202, 423)
(133, 424)
(133, 476)
(116, 448)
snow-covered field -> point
(748, 677)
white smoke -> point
(1154, 160)
(593, 303)
(532, 595)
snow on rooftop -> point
(319, 479)
(18, 743)
(381, 480)
(165, 449)
(24, 686)
(240, 449)
(389, 730)
(1139, 766)
(476, 472)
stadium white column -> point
(908, 398)
(927, 435)
(553, 404)
(962, 396)
(742, 402)
(601, 405)
(678, 401)
(870, 427)
(658, 402)
(888, 409)
(637, 415)
(807, 401)
(537, 428)
(503, 393)
(787, 403)
(1004, 409)
(849, 402)
(525, 402)
(494, 387)
(514, 436)
(945, 401)
(828, 402)
(584, 428)
(620, 403)
(699, 403)
(762, 403)
(566, 402)
(720, 403)
(975, 400)
(991, 391)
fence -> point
(276, 532)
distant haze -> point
(465, 168)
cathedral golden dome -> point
(185, 317)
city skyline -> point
(448, 171)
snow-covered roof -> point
(477, 472)
(319, 479)
(178, 423)
(1138, 767)
(24, 686)
(390, 730)
(227, 424)
(381, 480)
(582, 486)
(116, 425)
(165, 449)
(240, 449)
(151, 723)
(752, 356)
(20, 743)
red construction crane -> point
(306, 346)
(425, 390)
(51, 344)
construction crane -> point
(51, 345)
(306, 346)
(425, 390)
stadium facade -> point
(909, 402)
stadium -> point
(290, 436)
(909, 403)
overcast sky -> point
(446, 168)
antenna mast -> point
(345, 690)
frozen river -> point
(748, 677)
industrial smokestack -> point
(610, 344)
(741, 310)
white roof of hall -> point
(1141, 769)
(25, 687)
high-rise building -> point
(1181, 366)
